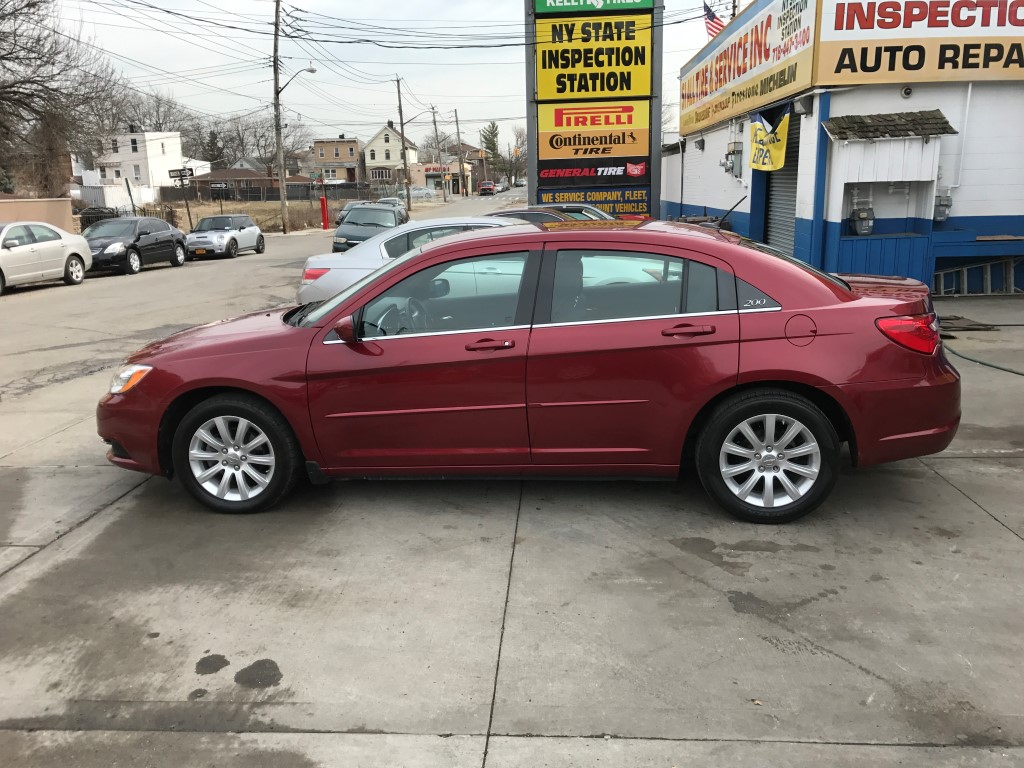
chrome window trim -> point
(656, 317)
(434, 333)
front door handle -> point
(685, 329)
(485, 345)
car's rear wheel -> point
(132, 263)
(261, 244)
(235, 454)
(768, 456)
(178, 259)
(74, 271)
(232, 249)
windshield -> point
(763, 248)
(111, 228)
(338, 299)
(214, 223)
(373, 217)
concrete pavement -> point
(486, 622)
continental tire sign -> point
(572, 130)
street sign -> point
(219, 185)
(181, 173)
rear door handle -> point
(485, 345)
(686, 329)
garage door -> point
(782, 194)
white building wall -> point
(705, 181)
(156, 154)
(992, 180)
(807, 153)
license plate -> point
(200, 251)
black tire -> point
(180, 255)
(132, 266)
(285, 450)
(261, 244)
(232, 249)
(768, 461)
(74, 271)
(3, 284)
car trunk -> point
(902, 289)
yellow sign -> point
(767, 144)
(764, 55)
(577, 129)
(594, 58)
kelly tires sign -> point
(591, 6)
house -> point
(244, 184)
(251, 164)
(336, 159)
(144, 158)
(268, 165)
(383, 155)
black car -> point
(348, 207)
(362, 222)
(130, 242)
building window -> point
(135, 145)
(137, 171)
(330, 173)
(117, 173)
(351, 152)
(337, 151)
(387, 138)
(321, 152)
(113, 146)
(103, 173)
(163, 151)
(380, 174)
(373, 154)
(387, 154)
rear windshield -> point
(767, 249)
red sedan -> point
(542, 350)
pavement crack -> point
(504, 616)
(959, 490)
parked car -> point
(534, 215)
(485, 188)
(324, 276)
(227, 235)
(491, 353)
(348, 207)
(520, 182)
(501, 186)
(33, 251)
(418, 193)
(580, 211)
(129, 243)
(396, 202)
(363, 222)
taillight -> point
(917, 332)
(313, 274)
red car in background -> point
(485, 188)
(624, 349)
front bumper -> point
(103, 260)
(129, 423)
(206, 249)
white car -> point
(324, 276)
(226, 235)
(33, 251)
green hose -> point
(982, 362)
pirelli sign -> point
(592, 68)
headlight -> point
(127, 377)
(341, 240)
(114, 248)
(220, 238)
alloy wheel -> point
(134, 262)
(770, 460)
(76, 271)
(231, 458)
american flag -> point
(712, 23)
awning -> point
(892, 125)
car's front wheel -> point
(132, 263)
(261, 244)
(768, 456)
(232, 249)
(235, 454)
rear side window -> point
(752, 297)
(396, 246)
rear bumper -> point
(894, 420)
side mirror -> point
(346, 330)
(11, 243)
(144, 232)
(439, 288)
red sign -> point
(593, 117)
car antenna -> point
(722, 220)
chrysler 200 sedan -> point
(551, 350)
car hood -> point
(263, 330)
(211, 234)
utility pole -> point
(437, 143)
(405, 159)
(483, 156)
(282, 172)
(462, 160)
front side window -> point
(19, 234)
(468, 294)
(43, 234)
(157, 225)
(592, 285)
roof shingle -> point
(893, 125)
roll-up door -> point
(781, 222)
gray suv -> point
(226, 235)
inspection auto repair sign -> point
(765, 54)
(900, 41)
(593, 129)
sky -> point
(214, 57)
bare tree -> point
(432, 149)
